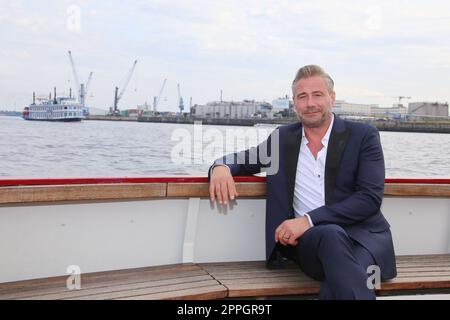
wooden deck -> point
(218, 281)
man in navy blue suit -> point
(325, 184)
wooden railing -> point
(89, 189)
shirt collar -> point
(326, 137)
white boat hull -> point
(43, 240)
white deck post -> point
(191, 230)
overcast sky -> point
(374, 50)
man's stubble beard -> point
(314, 124)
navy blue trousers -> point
(327, 254)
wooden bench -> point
(252, 279)
(219, 281)
(204, 280)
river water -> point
(119, 149)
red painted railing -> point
(167, 179)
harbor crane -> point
(81, 88)
(117, 95)
(156, 99)
(180, 100)
(88, 82)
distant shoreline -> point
(389, 125)
(11, 113)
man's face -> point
(313, 101)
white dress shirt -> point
(309, 192)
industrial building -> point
(390, 110)
(431, 109)
(343, 107)
(233, 110)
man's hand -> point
(291, 230)
(222, 185)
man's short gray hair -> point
(312, 71)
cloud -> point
(250, 49)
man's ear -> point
(333, 97)
(295, 109)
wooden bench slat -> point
(416, 283)
(201, 293)
(246, 269)
(235, 264)
(149, 291)
(420, 270)
(273, 289)
(404, 264)
(401, 277)
(424, 257)
(429, 264)
(153, 272)
(99, 289)
(259, 276)
(252, 273)
(423, 269)
(422, 260)
(299, 280)
(88, 281)
(135, 278)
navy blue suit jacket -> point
(354, 185)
